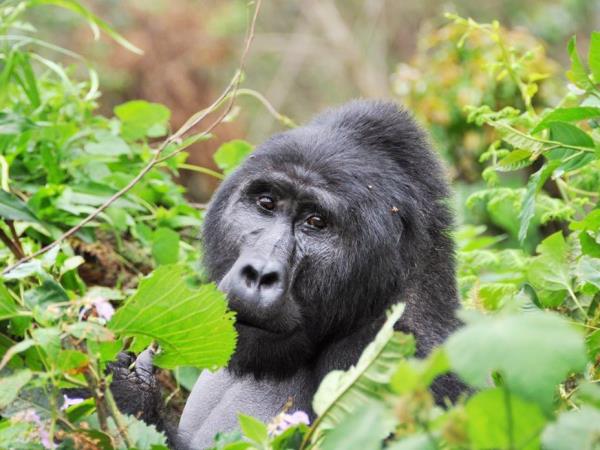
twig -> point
(15, 235)
(14, 248)
(174, 138)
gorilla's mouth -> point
(271, 329)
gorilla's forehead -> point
(325, 159)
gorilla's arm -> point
(137, 392)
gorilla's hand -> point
(135, 388)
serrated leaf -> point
(517, 159)
(516, 138)
(193, 327)
(567, 115)
(341, 393)
(532, 351)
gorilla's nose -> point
(259, 282)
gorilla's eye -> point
(316, 221)
(266, 202)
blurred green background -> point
(311, 54)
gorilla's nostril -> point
(250, 275)
(269, 280)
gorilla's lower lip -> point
(277, 332)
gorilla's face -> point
(302, 240)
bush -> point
(530, 348)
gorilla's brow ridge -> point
(309, 194)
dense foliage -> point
(529, 270)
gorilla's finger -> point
(143, 364)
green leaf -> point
(588, 271)
(193, 327)
(231, 154)
(567, 133)
(551, 269)
(142, 119)
(578, 73)
(71, 360)
(253, 429)
(515, 159)
(574, 430)
(517, 139)
(11, 385)
(594, 55)
(533, 352)
(89, 330)
(49, 340)
(107, 145)
(415, 442)
(341, 393)
(496, 419)
(13, 208)
(567, 115)
(8, 308)
(364, 429)
(94, 21)
(165, 246)
(142, 435)
(534, 185)
(415, 374)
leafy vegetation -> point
(124, 277)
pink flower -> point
(29, 415)
(284, 421)
(104, 308)
(70, 402)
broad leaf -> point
(193, 327)
(253, 429)
(142, 119)
(165, 246)
(532, 351)
(231, 154)
(574, 430)
(496, 419)
(341, 393)
(11, 385)
(364, 429)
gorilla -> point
(313, 238)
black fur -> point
(368, 171)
